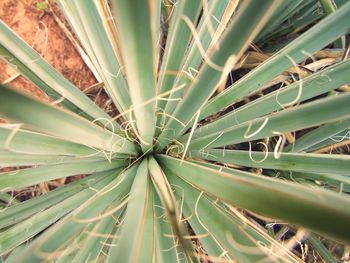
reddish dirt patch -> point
(40, 30)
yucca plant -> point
(197, 164)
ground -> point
(37, 26)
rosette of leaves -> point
(218, 144)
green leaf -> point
(93, 209)
(312, 40)
(321, 249)
(167, 248)
(303, 16)
(7, 199)
(302, 162)
(318, 112)
(167, 198)
(93, 35)
(245, 25)
(8, 158)
(20, 211)
(92, 243)
(332, 181)
(59, 122)
(31, 176)
(28, 62)
(136, 45)
(15, 139)
(13, 236)
(329, 8)
(297, 204)
(29, 74)
(175, 51)
(300, 91)
(215, 19)
(285, 10)
(224, 235)
(341, 138)
(316, 137)
(137, 231)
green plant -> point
(41, 6)
(176, 175)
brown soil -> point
(39, 29)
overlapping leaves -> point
(161, 185)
